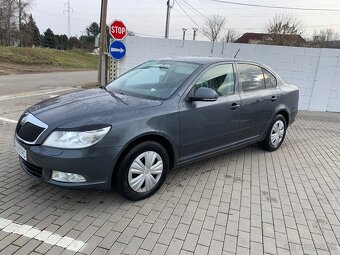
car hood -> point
(87, 104)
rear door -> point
(209, 126)
(255, 113)
(272, 89)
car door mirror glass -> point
(204, 94)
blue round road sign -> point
(117, 50)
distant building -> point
(265, 38)
(333, 44)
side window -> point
(251, 77)
(219, 78)
(269, 79)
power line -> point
(190, 9)
(187, 14)
(205, 17)
(277, 7)
(184, 16)
(201, 14)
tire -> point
(135, 180)
(279, 123)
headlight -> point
(75, 139)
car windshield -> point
(154, 79)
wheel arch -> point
(151, 136)
(284, 112)
(280, 110)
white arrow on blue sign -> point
(117, 50)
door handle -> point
(274, 98)
(234, 106)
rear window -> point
(269, 79)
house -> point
(265, 38)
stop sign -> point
(118, 30)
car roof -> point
(205, 60)
(212, 60)
(196, 60)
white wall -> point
(315, 71)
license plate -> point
(20, 150)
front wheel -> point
(142, 171)
(275, 134)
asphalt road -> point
(26, 83)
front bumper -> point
(96, 164)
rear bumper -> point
(95, 164)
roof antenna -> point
(237, 53)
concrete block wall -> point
(315, 71)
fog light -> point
(67, 177)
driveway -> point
(244, 202)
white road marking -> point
(8, 120)
(34, 93)
(51, 96)
(45, 236)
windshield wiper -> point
(114, 95)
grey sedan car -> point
(160, 115)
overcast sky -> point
(147, 17)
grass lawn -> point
(70, 59)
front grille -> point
(31, 169)
(29, 132)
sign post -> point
(118, 30)
(117, 49)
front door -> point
(209, 126)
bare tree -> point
(7, 21)
(213, 26)
(230, 36)
(285, 29)
(13, 14)
(1, 21)
(325, 35)
(22, 7)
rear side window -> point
(269, 79)
(219, 78)
(251, 77)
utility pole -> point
(167, 23)
(102, 45)
(68, 11)
(195, 31)
(184, 30)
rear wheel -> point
(275, 135)
(143, 170)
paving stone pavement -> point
(244, 202)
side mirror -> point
(204, 94)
